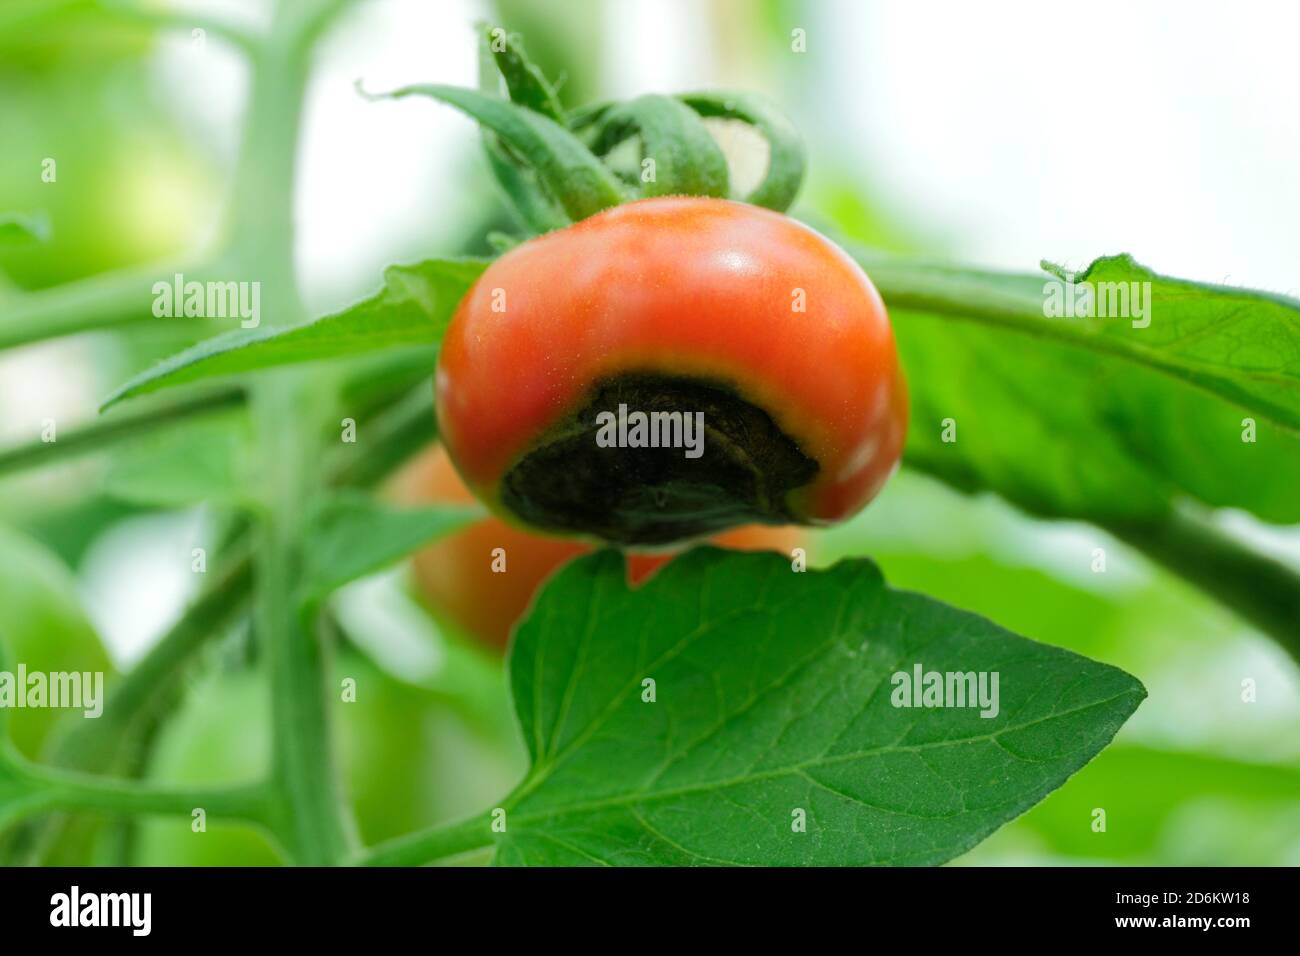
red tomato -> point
(739, 314)
(456, 575)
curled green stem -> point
(785, 161)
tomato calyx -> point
(558, 167)
(652, 459)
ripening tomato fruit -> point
(693, 313)
(455, 573)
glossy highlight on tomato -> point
(455, 573)
(678, 305)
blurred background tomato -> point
(485, 577)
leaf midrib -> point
(998, 309)
(632, 799)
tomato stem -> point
(40, 789)
(429, 846)
(1260, 590)
(308, 810)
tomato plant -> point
(660, 370)
(398, 744)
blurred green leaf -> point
(389, 438)
(413, 310)
(351, 535)
(43, 628)
(1153, 800)
(17, 794)
(1093, 418)
(772, 694)
(406, 761)
(210, 460)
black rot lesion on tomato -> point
(568, 483)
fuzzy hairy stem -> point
(308, 813)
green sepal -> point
(527, 84)
(530, 200)
(687, 159)
(577, 180)
(785, 165)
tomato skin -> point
(455, 573)
(681, 286)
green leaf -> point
(687, 159)
(211, 460)
(1237, 343)
(575, 178)
(350, 535)
(773, 695)
(44, 629)
(785, 163)
(1093, 418)
(412, 311)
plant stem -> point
(397, 433)
(100, 302)
(143, 691)
(430, 845)
(104, 431)
(95, 744)
(1260, 590)
(33, 789)
(1257, 588)
(309, 814)
(77, 792)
